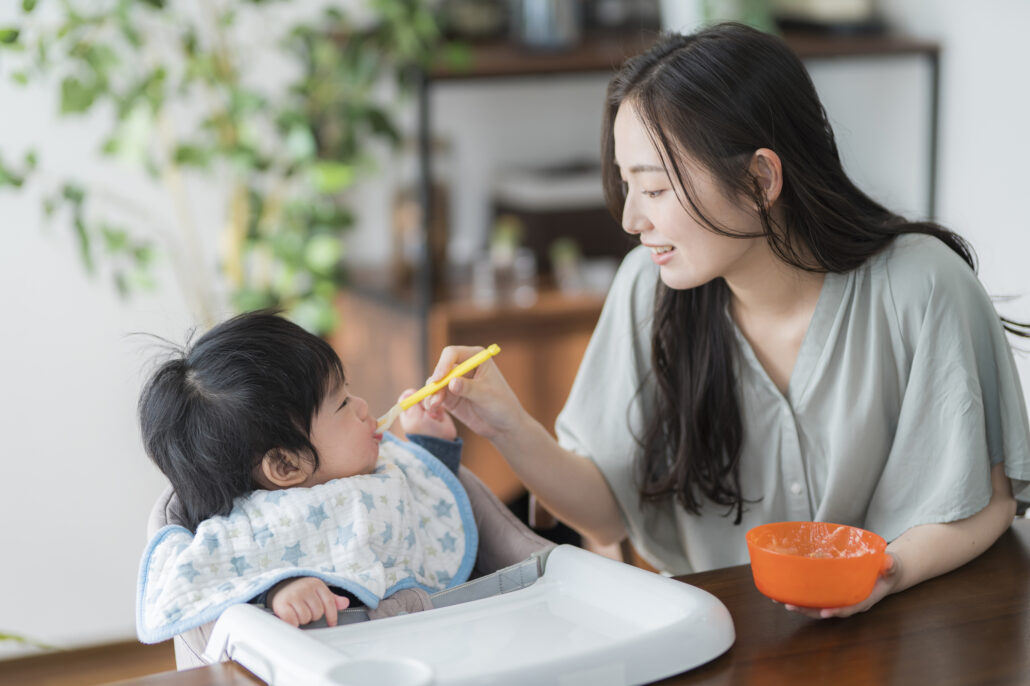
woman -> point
(781, 347)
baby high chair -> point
(507, 559)
(532, 612)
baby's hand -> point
(435, 422)
(305, 599)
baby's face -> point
(345, 436)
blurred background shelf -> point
(605, 51)
(597, 51)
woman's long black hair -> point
(717, 96)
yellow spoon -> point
(430, 388)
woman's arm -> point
(930, 550)
(569, 485)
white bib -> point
(408, 524)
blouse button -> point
(795, 488)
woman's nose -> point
(633, 221)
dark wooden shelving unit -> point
(599, 51)
(606, 51)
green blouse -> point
(903, 396)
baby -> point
(256, 418)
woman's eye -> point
(625, 188)
(652, 194)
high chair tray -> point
(586, 620)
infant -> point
(256, 429)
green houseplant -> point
(6, 637)
(183, 106)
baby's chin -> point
(372, 467)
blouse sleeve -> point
(603, 413)
(962, 409)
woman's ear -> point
(766, 169)
(282, 469)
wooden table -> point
(971, 626)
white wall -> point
(984, 147)
(76, 486)
(985, 105)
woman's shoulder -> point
(923, 274)
(923, 256)
(918, 265)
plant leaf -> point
(332, 177)
(381, 124)
(73, 193)
(76, 96)
(315, 314)
(9, 177)
(322, 253)
(115, 240)
(85, 245)
(15, 638)
(300, 144)
(189, 155)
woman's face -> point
(687, 252)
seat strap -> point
(514, 578)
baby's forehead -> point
(335, 376)
(334, 385)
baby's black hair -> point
(248, 386)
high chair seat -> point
(504, 542)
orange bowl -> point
(815, 564)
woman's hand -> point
(482, 399)
(433, 422)
(571, 486)
(305, 599)
(885, 585)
